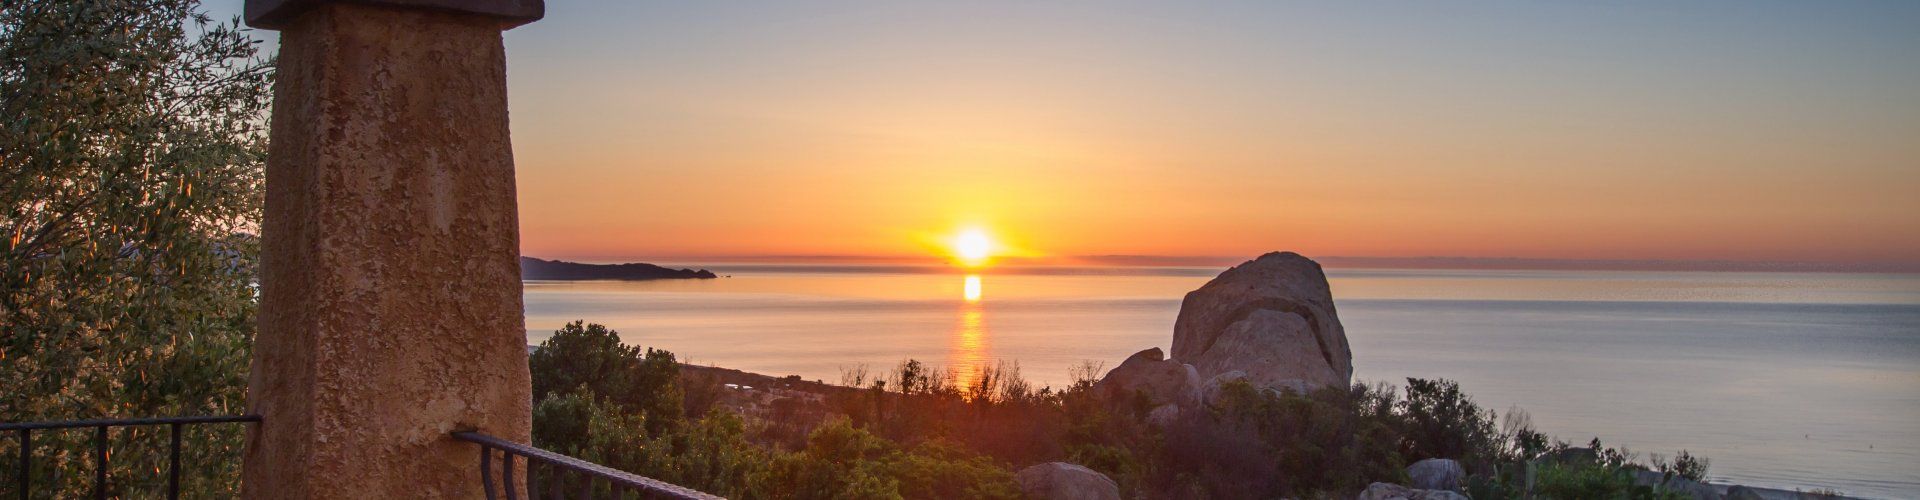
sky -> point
(1726, 131)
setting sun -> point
(972, 247)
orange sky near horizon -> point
(1560, 132)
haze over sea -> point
(1782, 379)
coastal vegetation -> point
(918, 432)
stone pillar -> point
(390, 307)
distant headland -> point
(539, 269)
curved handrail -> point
(621, 480)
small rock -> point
(1065, 481)
(1390, 491)
(1437, 474)
(1164, 381)
(1738, 492)
(1164, 416)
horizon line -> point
(1333, 261)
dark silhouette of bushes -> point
(622, 406)
(918, 432)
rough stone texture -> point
(1390, 491)
(1271, 317)
(390, 307)
(1164, 381)
(1678, 484)
(279, 14)
(1065, 481)
(1738, 492)
(1437, 474)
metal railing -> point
(24, 430)
(619, 484)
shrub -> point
(591, 356)
(1438, 421)
(1684, 464)
(1256, 442)
(840, 461)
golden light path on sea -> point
(971, 345)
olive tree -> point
(132, 139)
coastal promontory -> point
(540, 269)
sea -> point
(1785, 380)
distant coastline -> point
(540, 269)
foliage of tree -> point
(842, 461)
(1254, 441)
(131, 151)
(592, 357)
(1442, 422)
(1684, 465)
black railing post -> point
(173, 462)
(101, 447)
(486, 470)
(506, 471)
(100, 460)
(26, 462)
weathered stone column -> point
(390, 309)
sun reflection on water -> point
(967, 355)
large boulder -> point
(1390, 491)
(1150, 373)
(1272, 318)
(1437, 474)
(1065, 481)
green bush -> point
(591, 356)
(1439, 421)
(1256, 442)
(1684, 465)
(842, 461)
(913, 433)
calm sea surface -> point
(1782, 379)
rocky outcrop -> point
(1065, 481)
(1390, 491)
(1271, 318)
(1677, 484)
(1437, 474)
(1150, 374)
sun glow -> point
(972, 247)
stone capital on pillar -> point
(278, 14)
(390, 296)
